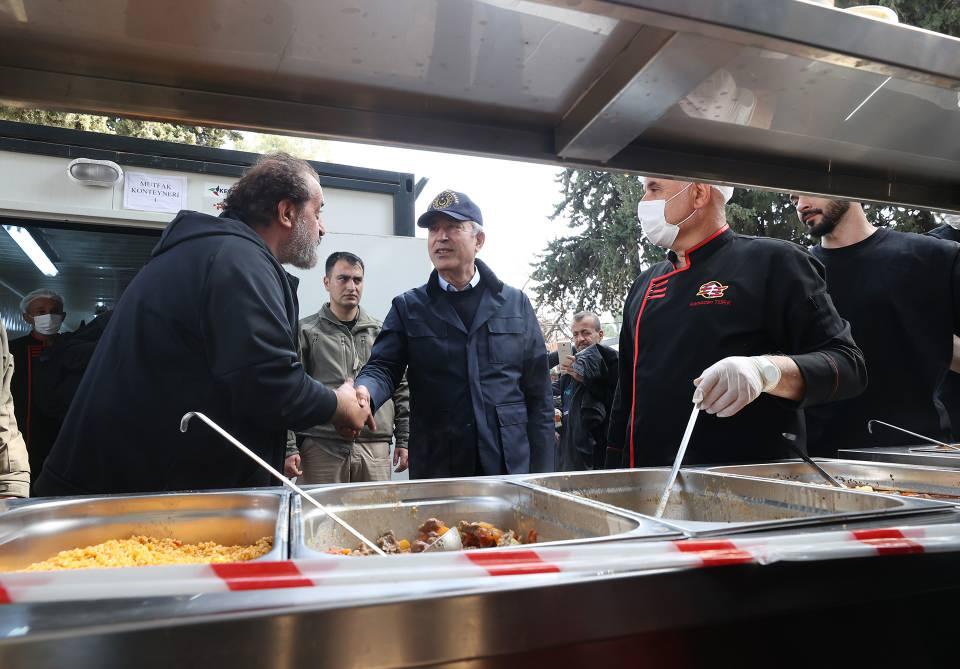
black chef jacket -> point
(39, 428)
(901, 294)
(949, 393)
(737, 295)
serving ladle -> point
(185, 422)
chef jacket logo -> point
(445, 200)
(712, 290)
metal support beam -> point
(52, 90)
(655, 71)
(840, 38)
(788, 176)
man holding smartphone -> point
(587, 384)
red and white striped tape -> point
(437, 571)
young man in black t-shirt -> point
(900, 293)
(949, 393)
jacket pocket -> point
(4, 459)
(427, 345)
(512, 419)
(326, 359)
(505, 340)
(364, 345)
(418, 328)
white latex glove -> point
(726, 387)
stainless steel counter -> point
(924, 456)
(546, 619)
(743, 615)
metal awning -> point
(782, 94)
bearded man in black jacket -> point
(210, 325)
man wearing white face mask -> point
(743, 326)
(43, 310)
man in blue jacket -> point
(210, 325)
(476, 363)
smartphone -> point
(564, 348)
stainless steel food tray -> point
(374, 508)
(886, 477)
(705, 503)
(922, 455)
(37, 530)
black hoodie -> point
(209, 324)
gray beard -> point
(300, 249)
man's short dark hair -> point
(337, 256)
(274, 177)
(584, 315)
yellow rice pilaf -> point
(140, 551)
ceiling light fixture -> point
(29, 245)
(89, 172)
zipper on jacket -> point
(345, 350)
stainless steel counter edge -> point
(285, 630)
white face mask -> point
(47, 324)
(654, 223)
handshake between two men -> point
(353, 410)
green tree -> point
(114, 125)
(768, 214)
(942, 16)
(594, 267)
(301, 147)
(764, 214)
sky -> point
(516, 198)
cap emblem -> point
(445, 200)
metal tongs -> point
(185, 421)
(791, 442)
(687, 433)
(949, 447)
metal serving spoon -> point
(185, 421)
(912, 434)
(687, 433)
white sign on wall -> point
(213, 194)
(154, 192)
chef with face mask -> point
(43, 310)
(741, 326)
